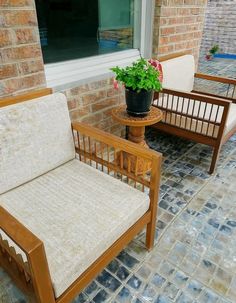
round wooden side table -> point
(137, 129)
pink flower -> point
(115, 84)
(157, 65)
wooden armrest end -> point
(18, 233)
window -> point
(73, 29)
(82, 39)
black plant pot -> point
(138, 103)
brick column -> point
(178, 26)
(21, 62)
(220, 25)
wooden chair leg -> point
(150, 234)
(215, 156)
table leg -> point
(137, 135)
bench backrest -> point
(35, 137)
(178, 73)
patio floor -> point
(194, 259)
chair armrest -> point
(90, 140)
(215, 78)
(230, 91)
(18, 233)
(37, 268)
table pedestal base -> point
(136, 135)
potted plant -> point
(212, 52)
(140, 80)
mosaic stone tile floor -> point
(218, 67)
(194, 258)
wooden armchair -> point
(63, 214)
(203, 117)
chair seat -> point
(78, 212)
(196, 109)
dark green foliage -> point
(141, 75)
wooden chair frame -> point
(34, 276)
(220, 101)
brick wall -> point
(178, 26)
(92, 104)
(21, 64)
(220, 25)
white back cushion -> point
(35, 137)
(178, 73)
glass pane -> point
(72, 29)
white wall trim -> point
(65, 75)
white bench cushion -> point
(35, 137)
(78, 212)
(201, 110)
(178, 73)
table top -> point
(120, 115)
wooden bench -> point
(64, 212)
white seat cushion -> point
(196, 109)
(78, 212)
(35, 137)
(178, 73)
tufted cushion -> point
(178, 73)
(35, 137)
(78, 212)
(201, 110)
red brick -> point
(8, 71)
(16, 3)
(93, 97)
(79, 90)
(72, 104)
(92, 118)
(98, 84)
(30, 67)
(177, 20)
(79, 113)
(36, 80)
(25, 35)
(183, 11)
(189, 19)
(168, 11)
(105, 104)
(165, 49)
(20, 52)
(167, 31)
(176, 38)
(18, 18)
(5, 37)
(164, 40)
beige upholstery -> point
(178, 73)
(35, 137)
(78, 212)
(196, 109)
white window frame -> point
(67, 74)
